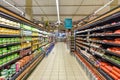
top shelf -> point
(16, 17)
(99, 28)
(109, 16)
(10, 27)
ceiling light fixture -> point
(58, 12)
(103, 7)
(14, 7)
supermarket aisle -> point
(59, 65)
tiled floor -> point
(58, 65)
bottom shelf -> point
(104, 74)
(26, 69)
(91, 71)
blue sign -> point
(68, 23)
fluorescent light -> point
(58, 11)
(103, 6)
(14, 7)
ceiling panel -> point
(52, 18)
(47, 10)
(87, 10)
(78, 18)
(95, 2)
(67, 10)
(37, 10)
(19, 2)
(44, 2)
(70, 2)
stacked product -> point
(9, 40)
(111, 70)
(8, 72)
(22, 62)
(19, 45)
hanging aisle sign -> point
(68, 23)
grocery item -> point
(27, 33)
(114, 50)
(34, 47)
(111, 41)
(25, 45)
(9, 22)
(117, 40)
(8, 72)
(35, 34)
(117, 31)
(25, 52)
(9, 31)
(110, 70)
(23, 61)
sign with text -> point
(68, 23)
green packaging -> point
(4, 50)
(4, 40)
(1, 61)
(4, 73)
(1, 52)
(1, 41)
(4, 60)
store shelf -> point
(99, 28)
(2, 14)
(26, 48)
(106, 43)
(84, 43)
(11, 17)
(104, 35)
(82, 46)
(11, 44)
(105, 74)
(112, 53)
(8, 63)
(35, 50)
(6, 35)
(24, 68)
(29, 30)
(10, 27)
(110, 61)
(26, 41)
(1, 56)
(81, 35)
(89, 66)
(81, 39)
(103, 28)
(35, 44)
(106, 51)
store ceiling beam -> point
(28, 10)
(55, 5)
(63, 14)
(115, 2)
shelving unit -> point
(72, 42)
(98, 44)
(21, 45)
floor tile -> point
(58, 65)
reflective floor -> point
(59, 65)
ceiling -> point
(46, 9)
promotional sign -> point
(68, 23)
